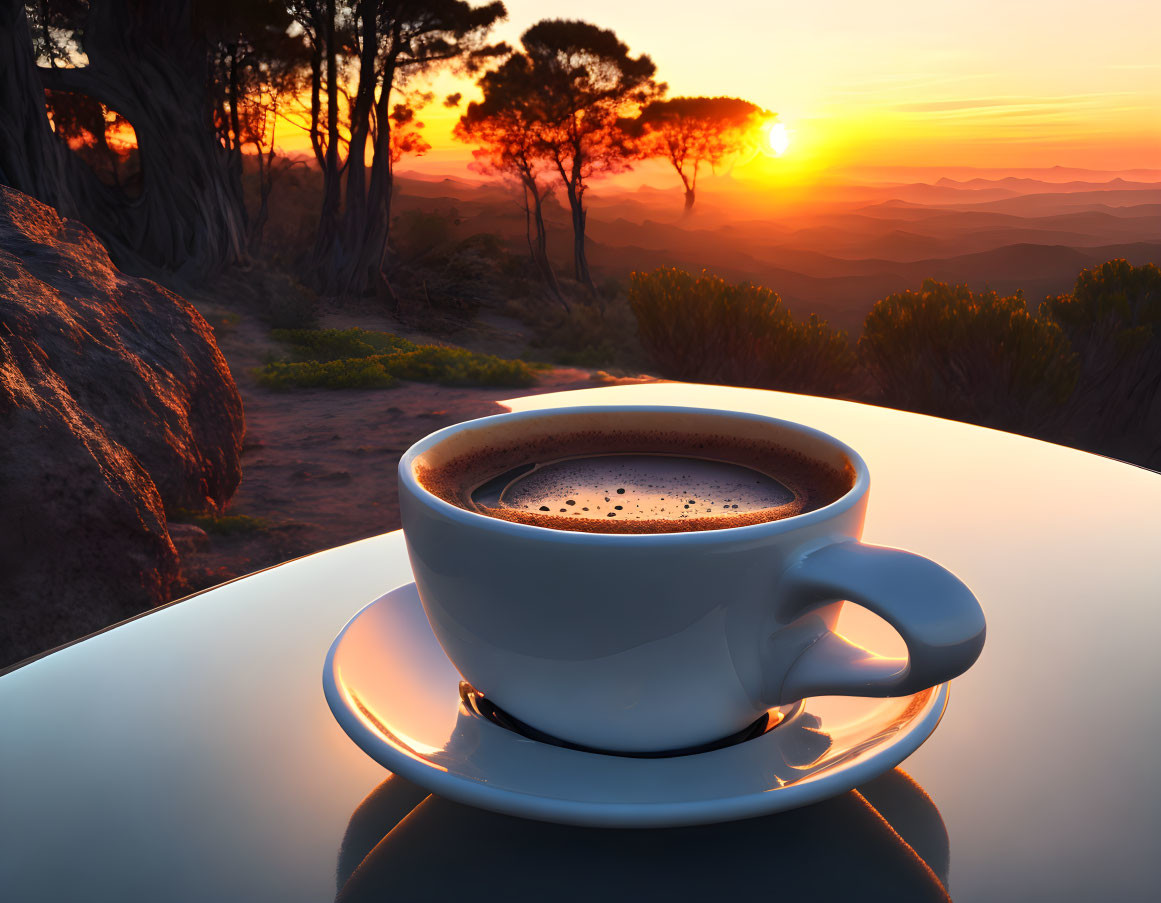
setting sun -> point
(778, 138)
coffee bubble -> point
(642, 484)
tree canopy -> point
(568, 88)
(692, 131)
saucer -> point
(396, 694)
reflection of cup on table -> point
(678, 625)
(886, 841)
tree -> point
(581, 83)
(1113, 319)
(388, 42)
(150, 63)
(504, 132)
(692, 131)
(979, 358)
(257, 66)
(32, 159)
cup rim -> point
(843, 503)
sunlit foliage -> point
(704, 329)
(976, 357)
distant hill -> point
(840, 255)
(845, 296)
(1040, 204)
(1038, 186)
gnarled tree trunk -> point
(31, 158)
(147, 62)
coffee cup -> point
(672, 627)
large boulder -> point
(115, 406)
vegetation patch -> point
(597, 332)
(224, 524)
(364, 359)
(704, 329)
(346, 373)
(971, 356)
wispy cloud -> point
(994, 106)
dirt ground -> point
(318, 464)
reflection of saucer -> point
(395, 693)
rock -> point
(115, 403)
(188, 538)
(136, 356)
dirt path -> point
(319, 465)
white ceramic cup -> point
(662, 641)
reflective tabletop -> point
(189, 754)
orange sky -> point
(994, 83)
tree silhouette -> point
(504, 131)
(581, 81)
(257, 64)
(691, 131)
(388, 42)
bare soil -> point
(318, 464)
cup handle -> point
(938, 617)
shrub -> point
(362, 359)
(587, 335)
(347, 373)
(973, 357)
(458, 367)
(1113, 319)
(335, 344)
(704, 329)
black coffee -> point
(634, 487)
(626, 482)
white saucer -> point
(398, 697)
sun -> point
(778, 138)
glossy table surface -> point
(190, 755)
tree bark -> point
(145, 63)
(540, 251)
(528, 222)
(359, 263)
(354, 218)
(574, 185)
(31, 158)
(328, 224)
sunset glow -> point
(1006, 87)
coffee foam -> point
(639, 487)
(809, 483)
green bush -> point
(978, 358)
(458, 367)
(348, 373)
(336, 344)
(362, 359)
(704, 329)
(1113, 320)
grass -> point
(363, 359)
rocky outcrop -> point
(115, 405)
